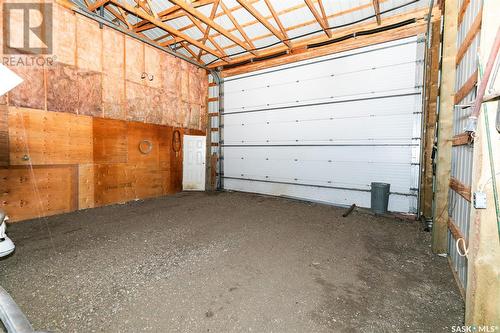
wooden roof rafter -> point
(162, 25)
(207, 30)
(209, 22)
(376, 8)
(237, 25)
(171, 14)
(319, 18)
(259, 17)
(276, 18)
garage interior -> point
(250, 165)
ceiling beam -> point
(97, 4)
(376, 7)
(199, 15)
(276, 18)
(170, 14)
(419, 14)
(207, 30)
(166, 27)
(322, 22)
(236, 24)
(263, 21)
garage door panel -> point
(377, 82)
(328, 166)
(378, 56)
(380, 107)
(397, 203)
(279, 140)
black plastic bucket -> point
(380, 197)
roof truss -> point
(210, 32)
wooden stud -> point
(460, 188)
(376, 8)
(445, 128)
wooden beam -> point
(323, 24)
(457, 234)
(376, 7)
(469, 38)
(170, 14)
(406, 31)
(276, 18)
(445, 128)
(461, 139)
(461, 188)
(249, 8)
(200, 27)
(164, 26)
(237, 25)
(462, 11)
(207, 30)
(466, 88)
(199, 15)
(98, 4)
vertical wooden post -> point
(445, 128)
(432, 91)
(483, 291)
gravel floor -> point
(228, 262)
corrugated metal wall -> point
(462, 155)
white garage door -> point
(324, 129)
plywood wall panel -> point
(64, 36)
(44, 138)
(4, 135)
(147, 181)
(85, 186)
(112, 184)
(41, 191)
(89, 45)
(138, 132)
(62, 92)
(89, 93)
(31, 92)
(110, 141)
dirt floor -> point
(228, 262)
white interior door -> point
(193, 172)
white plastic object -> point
(6, 244)
(480, 201)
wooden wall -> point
(70, 133)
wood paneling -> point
(79, 122)
(49, 138)
(85, 186)
(4, 136)
(112, 184)
(41, 191)
(110, 141)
